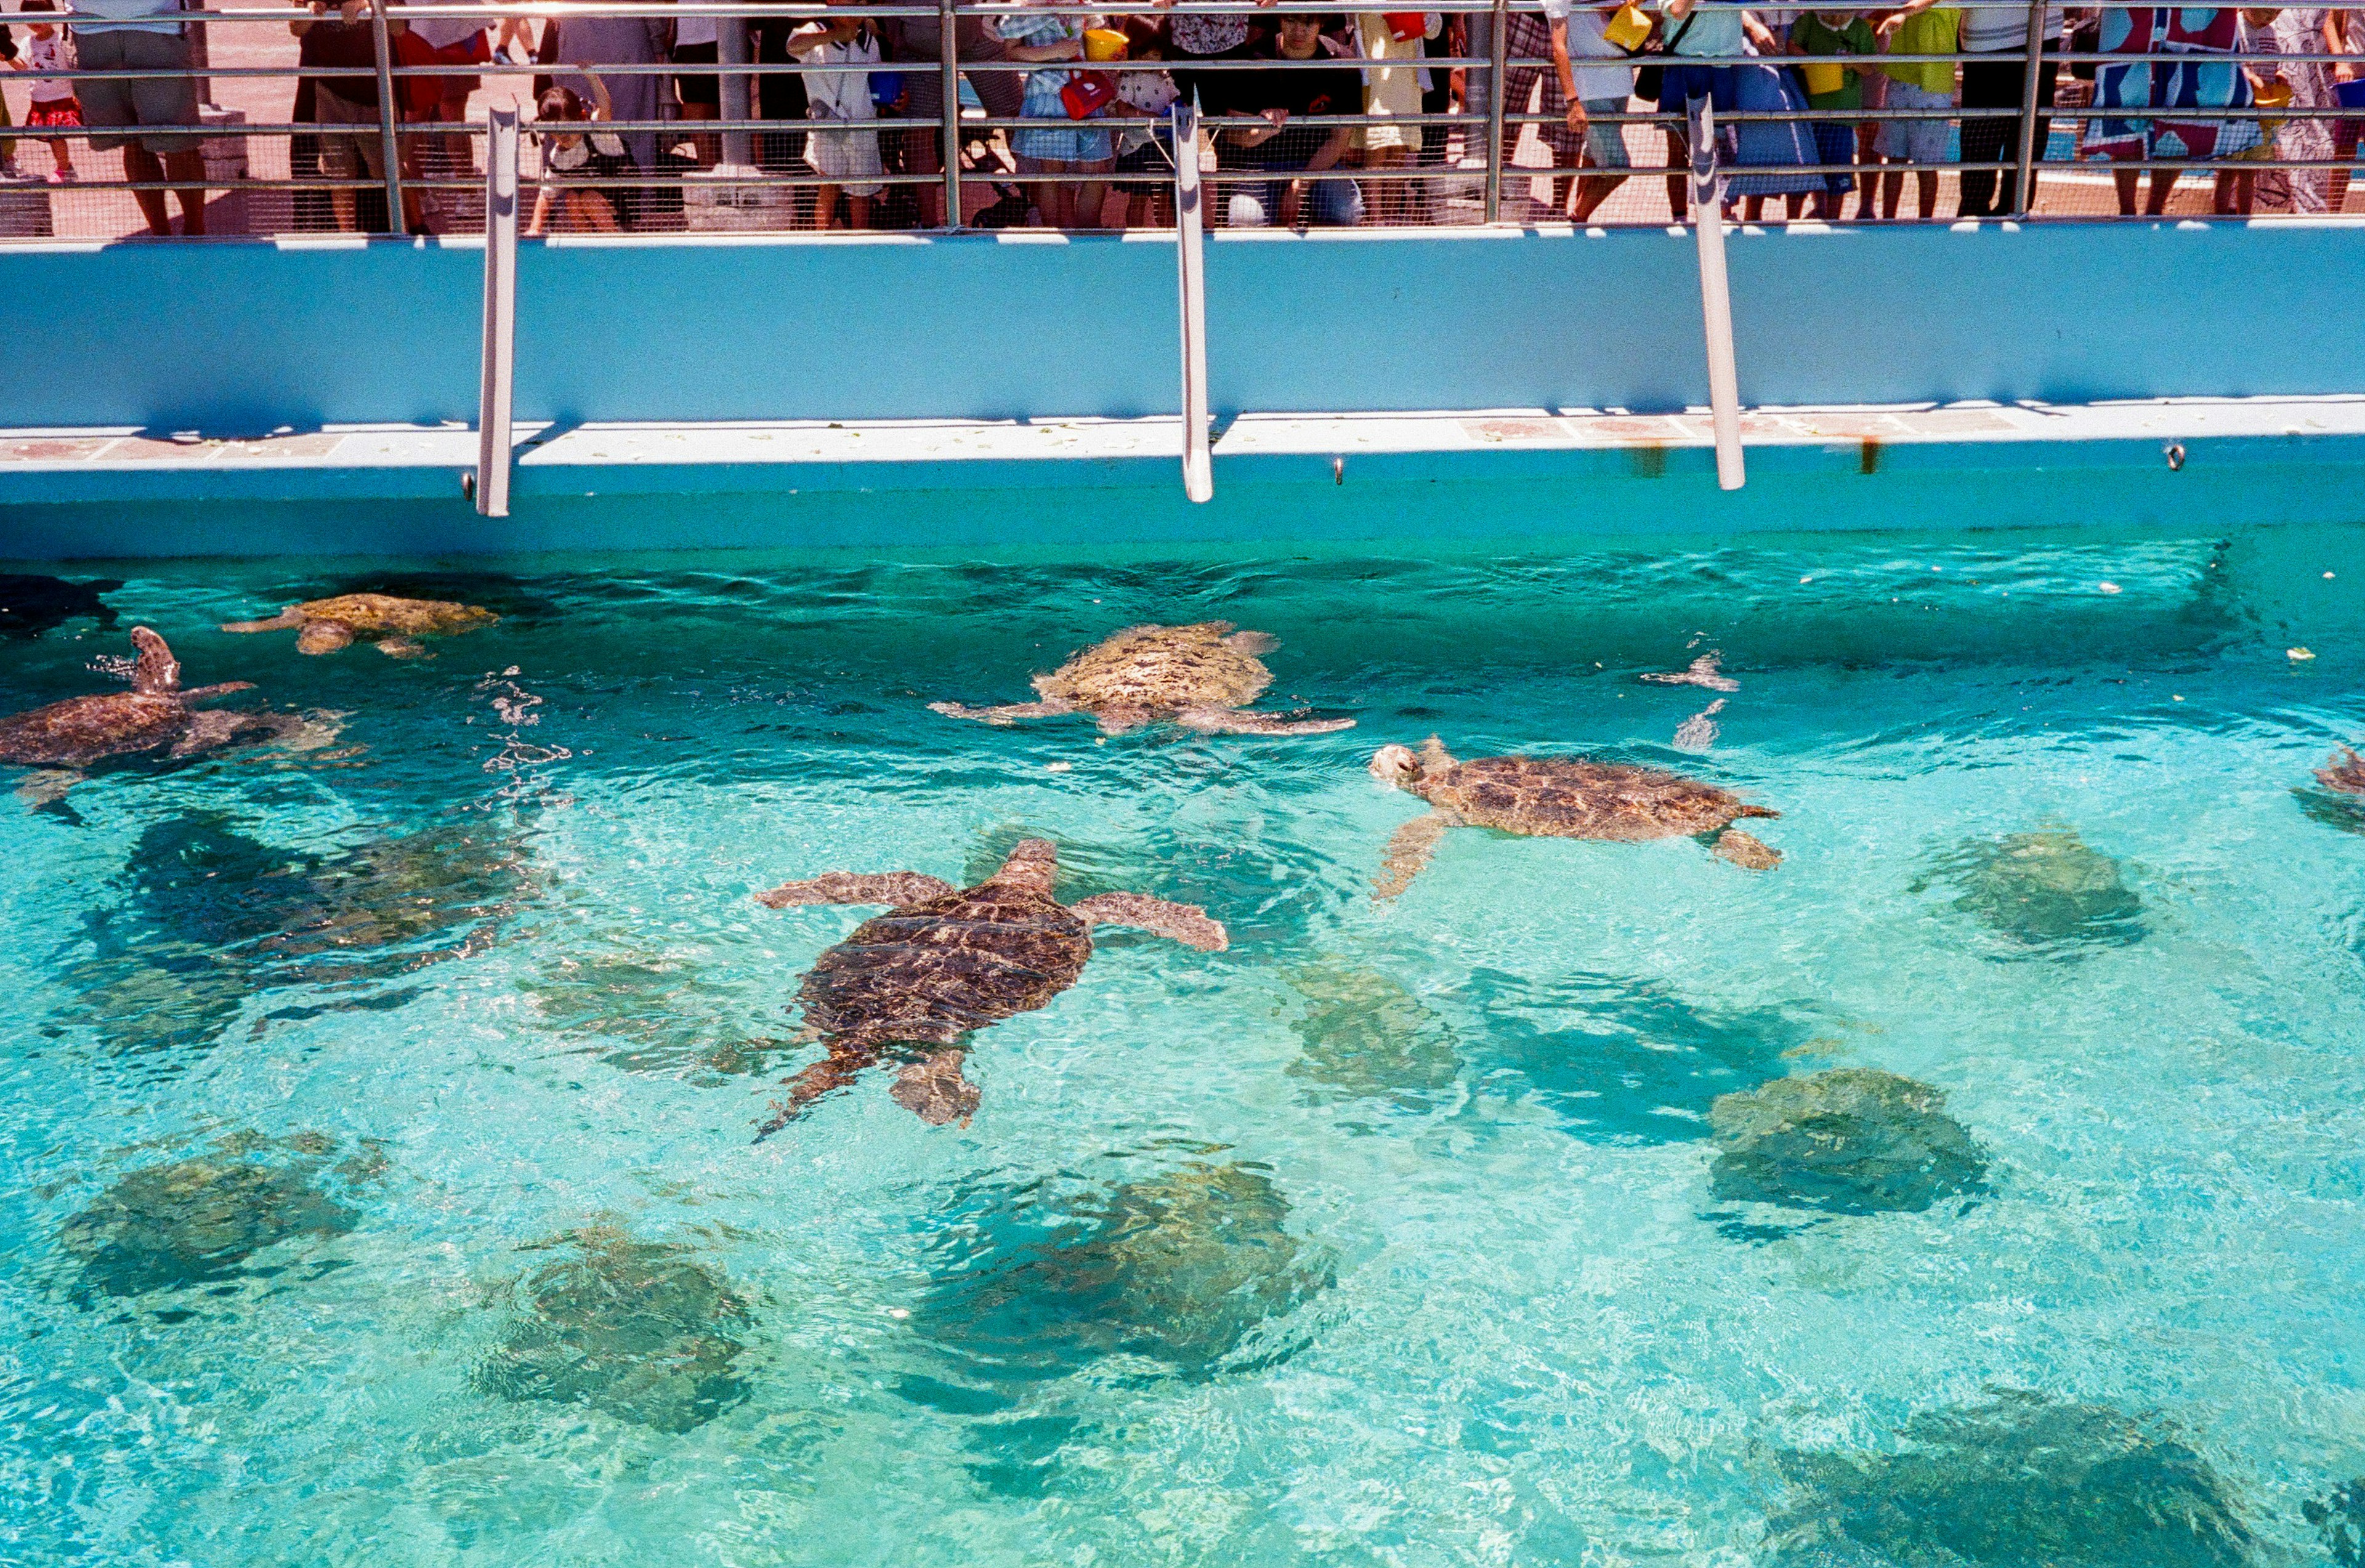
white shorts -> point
(1916, 141)
(847, 159)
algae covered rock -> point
(640, 1330)
(1853, 1141)
(2045, 892)
(197, 1221)
(2017, 1481)
(1183, 1268)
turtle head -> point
(157, 673)
(1396, 766)
(1033, 863)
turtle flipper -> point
(157, 672)
(893, 888)
(323, 637)
(1006, 713)
(835, 1071)
(1252, 642)
(1233, 721)
(279, 622)
(221, 689)
(209, 732)
(1185, 923)
(47, 786)
(403, 648)
(2344, 770)
(934, 1090)
(1410, 849)
(1746, 850)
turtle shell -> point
(1161, 669)
(930, 972)
(1563, 797)
(82, 730)
(384, 614)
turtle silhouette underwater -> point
(1201, 677)
(1557, 797)
(945, 961)
(30, 604)
(2343, 771)
(157, 717)
(1854, 1140)
(394, 625)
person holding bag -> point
(1074, 148)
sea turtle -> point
(2344, 770)
(196, 1222)
(1853, 1141)
(394, 625)
(155, 716)
(1198, 676)
(2046, 891)
(1558, 798)
(31, 604)
(944, 961)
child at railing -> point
(598, 154)
(1922, 27)
(848, 159)
(1075, 149)
(1835, 88)
(1145, 148)
(54, 106)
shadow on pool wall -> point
(243, 337)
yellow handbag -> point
(1629, 29)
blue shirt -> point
(128, 9)
(1715, 29)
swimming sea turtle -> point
(1558, 798)
(394, 625)
(944, 961)
(2046, 891)
(154, 716)
(1198, 676)
(196, 1222)
(1851, 1141)
(2344, 770)
(31, 605)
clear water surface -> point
(379, 1185)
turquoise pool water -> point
(379, 1182)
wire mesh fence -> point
(654, 118)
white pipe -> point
(498, 374)
(1191, 266)
(1716, 296)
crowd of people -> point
(1312, 119)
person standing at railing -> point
(2302, 138)
(1391, 90)
(1923, 27)
(351, 141)
(48, 49)
(1533, 83)
(1592, 92)
(144, 36)
(2001, 82)
(1146, 146)
(1695, 30)
(698, 44)
(2344, 33)
(848, 159)
(8, 57)
(1253, 133)
(2154, 106)
(428, 42)
(1071, 96)
(633, 96)
(1835, 88)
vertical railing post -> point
(738, 147)
(2024, 195)
(498, 372)
(950, 20)
(1191, 295)
(389, 148)
(1716, 294)
(1499, 47)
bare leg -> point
(934, 1090)
(1408, 851)
(1005, 714)
(1184, 922)
(832, 1073)
(893, 888)
(1747, 851)
(1229, 722)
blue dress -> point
(1078, 143)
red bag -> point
(1087, 92)
(1406, 26)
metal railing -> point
(1490, 118)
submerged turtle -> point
(1853, 1141)
(197, 1222)
(2018, 1480)
(1557, 797)
(2344, 770)
(155, 716)
(31, 604)
(639, 1329)
(944, 961)
(394, 625)
(1198, 676)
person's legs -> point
(1335, 204)
(824, 207)
(2127, 180)
(1987, 84)
(1092, 196)
(2344, 147)
(141, 167)
(1604, 149)
(1254, 204)
(1386, 200)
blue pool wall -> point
(240, 336)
